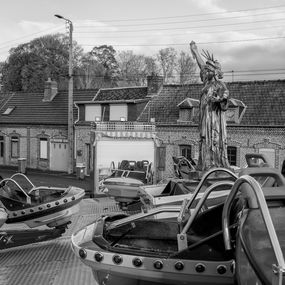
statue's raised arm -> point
(196, 55)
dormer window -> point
(235, 111)
(8, 111)
(188, 110)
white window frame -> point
(118, 112)
(93, 113)
(43, 148)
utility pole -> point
(70, 132)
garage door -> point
(116, 151)
(59, 156)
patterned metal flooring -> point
(53, 262)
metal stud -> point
(40, 208)
(65, 200)
(82, 253)
(137, 262)
(200, 267)
(98, 256)
(57, 203)
(221, 269)
(73, 198)
(117, 259)
(23, 212)
(48, 205)
(158, 264)
(179, 265)
(31, 210)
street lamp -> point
(70, 133)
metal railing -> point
(124, 126)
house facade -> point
(33, 128)
(255, 122)
(151, 123)
(168, 118)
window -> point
(232, 155)
(15, 147)
(118, 111)
(188, 109)
(93, 113)
(1, 146)
(186, 151)
(43, 148)
(161, 155)
(185, 115)
(8, 111)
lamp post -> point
(70, 132)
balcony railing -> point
(124, 126)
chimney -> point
(50, 90)
(154, 84)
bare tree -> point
(186, 68)
(167, 62)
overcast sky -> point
(246, 36)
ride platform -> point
(52, 262)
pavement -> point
(53, 179)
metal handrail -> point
(206, 175)
(135, 217)
(256, 189)
(21, 174)
(28, 198)
(202, 201)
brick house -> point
(255, 122)
(33, 126)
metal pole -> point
(70, 132)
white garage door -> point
(59, 156)
(116, 151)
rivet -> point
(73, 198)
(82, 253)
(179, 265)
(98, 256)
(200, 267)
(158, 264)
(117, 259)
(40, 208)
(137, 262)
(48, 205)
(65, 200)
(221, 269)
(31, 210)
(23, 212)
(15, 214)
(57, 203)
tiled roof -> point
(30, 109)
(265, 101)
(126, 93)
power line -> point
(27, 36)
(183, 34)
(181, 22)
(183, 44)
(193, 15)
(179, 28)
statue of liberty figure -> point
(212, 120)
